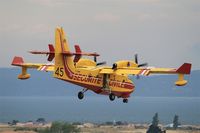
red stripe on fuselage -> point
(100, 90)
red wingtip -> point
(184, 69)
(17, 61)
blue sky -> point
(165, 33)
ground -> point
(4, 128)
(111, 129)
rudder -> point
(63, 63)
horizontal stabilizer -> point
(51, 53)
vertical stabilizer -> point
(64, 64)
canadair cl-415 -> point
(111, 81)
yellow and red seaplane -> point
(112, 81)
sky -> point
(164, 33)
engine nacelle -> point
(124, 63)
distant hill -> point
(42, 84)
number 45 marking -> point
(59, 71)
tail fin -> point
(61, 46)
(62, 61)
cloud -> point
(40, 28)
(24, 29)
(151, 16)
(48, 3)
(195, 48)
(10, 28)
(107, 17)
(145, 1)
(142, 16)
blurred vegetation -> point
(56, 127)
(155, 120)
(25, 129)
(60, 127)
(154, 128)
(176, 122)
(14, 122)
(41, 120)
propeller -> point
(139, 65)
(143, 64)
(95, 58)
(100, 63)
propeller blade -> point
(143, 64)
(136, 58)
(95, 59)
(101, 63)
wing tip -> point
(17, 61)
(185, 68)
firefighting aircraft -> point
(112, 81)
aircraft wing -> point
(145, 71)
(184, 69)
(181, 71)
(18, 61)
